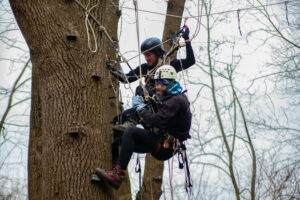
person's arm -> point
(116, 73)
(190, 58)
(180, 64)
(162, 116)
(131, 76)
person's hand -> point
(124, 116)
(108, 66)
(137, 103)
(186, 33)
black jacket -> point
(173, 116)
(134, 74)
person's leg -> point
(135, 140)
(126, 119)
(115, 150)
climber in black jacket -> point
(173, 120)
(152, 49)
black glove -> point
(117, 119)
(109, 66)
(186, 33)
(125, 116)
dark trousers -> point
(141, 141)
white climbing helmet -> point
(165, 72)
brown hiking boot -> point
(113, 177)
(121, 127)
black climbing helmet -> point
(155, 46)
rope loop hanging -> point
(88, 26)
(146, 94)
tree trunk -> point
(35, 150)
(154, 168)
(172, 24)
(70, 132)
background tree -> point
(14, 106)
(154, 168)
(238, 106)
(279, 119)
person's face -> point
(150, 58)
(161, 89)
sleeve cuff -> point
(141, 111)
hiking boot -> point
(121, 127)
(113, 177)
(95, 178)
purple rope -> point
(286, 13)
(239, 21)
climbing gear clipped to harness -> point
(183, 164)
(166, 147)
(138, 170)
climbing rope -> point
(175, 45)
(138, 170)
(215, 13)
(146, 94)
(170, 165)
(137, 33)
(108, 60)
(197, 30)
(184, 82)
(149, 49)
(117, 94)
(102, 28)
(188, 182)
(88, 26)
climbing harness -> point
(184, 164)
(138, 170)
(179, 148)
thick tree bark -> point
(35, 151)
(70, 131)
(154, 168)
